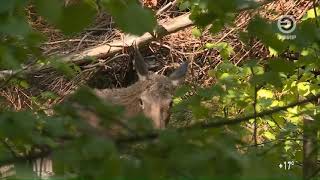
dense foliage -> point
(252, 147)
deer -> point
(151, 95)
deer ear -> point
(178, 75)
(140, 64)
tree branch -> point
(220, 122)
(154, 135)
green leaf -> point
(265, 93)
(304, 88)
(307, 34)
(7, 5)
(244, 37)
(280, 65)
(269, 135)
(272, 78)
(51, 10)
(48, 95)
(273, 52)
(76, 17)
(15, 26)
(24, 84)
(11, 121)
(217, 26)
(224, 49)
(7, 58)
(252, 63)
(130, 17)
(182, 90)
(266, 32)
(196, 32)
(208, 93)
(184, 5)
(209, 45)
(310, 13)
(63, 67)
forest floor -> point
(162, 55)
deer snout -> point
(159, 115)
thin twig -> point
(70, 40)
(272, 141)
(255, 111)
(82, 39)
(166, 7)
(315, 12)
(103, 63)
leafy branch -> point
(154, 135)
(221, 121)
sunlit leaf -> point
(304, 88)
(273, 52)
(24, 84)
(311, 13)
(269, 135)
(196, 32)
(265, 93)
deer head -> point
(156, 99)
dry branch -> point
(110, 49)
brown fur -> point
(158, 85)
(158, 90)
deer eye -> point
(171, 103)
(140, 102)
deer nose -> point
(161, 124)
(160, 117)
(164, 120)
